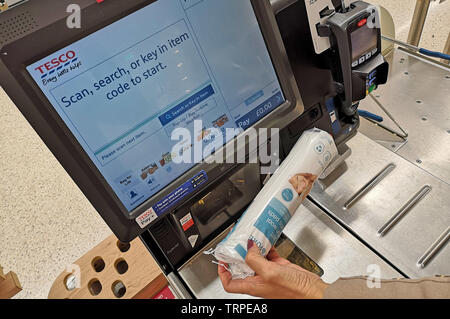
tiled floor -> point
(45, 221)
(437, 27)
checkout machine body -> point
(317, 37)
(321, 85)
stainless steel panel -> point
(435, 248)
(413, 235)
(332, 247)
(200, 275)
(416, 219)
(417, 95)
(369, 185)
(404, 210)
(177, 287)
(336, 251)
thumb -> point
(254, 259)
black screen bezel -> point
(43, 117)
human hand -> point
(275, 278)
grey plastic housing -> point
(338, 29)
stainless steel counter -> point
(386, 217)
(388, 204)
(333, 248)
(200, 274)
(418, 96)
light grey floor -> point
(45, 221)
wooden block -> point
(143, 273)
(10, 286)
(152, 288)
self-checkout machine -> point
(119, 102)
(391, 190)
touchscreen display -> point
(123, 90)
(364, 40)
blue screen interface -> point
(123, 90)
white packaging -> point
(274, 206)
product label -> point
(241, 251)
(273, 220)
(288, 195)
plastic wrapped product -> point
(274, 206)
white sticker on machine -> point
(192, 240)
(146, 218)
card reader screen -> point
(364, 40)
(130, 91)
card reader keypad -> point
(365, 57)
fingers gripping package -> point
(274, 206)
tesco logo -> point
(56, 62)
